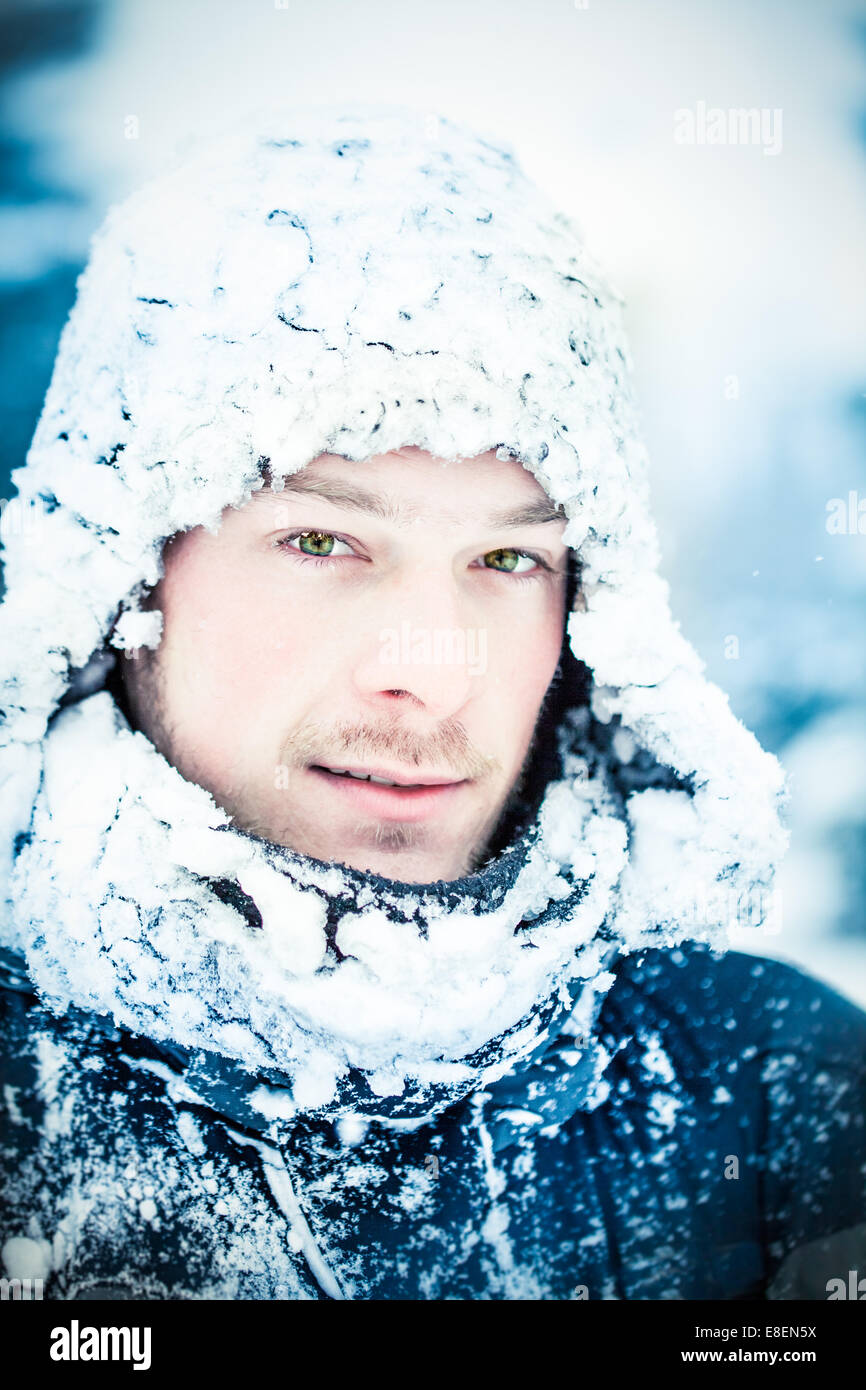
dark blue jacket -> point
(717, 1151)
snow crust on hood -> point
(347, 281)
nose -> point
(417, 649)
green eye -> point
(320, 542)
(508, 559)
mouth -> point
(384, 777)
(389, 794)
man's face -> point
(380, 617)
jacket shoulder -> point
(731, 998)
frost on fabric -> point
(345, 283)
(95, 1185)
(400, 1005)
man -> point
(339, 452)
(445, 731)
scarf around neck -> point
(140, 901)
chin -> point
(406, 868)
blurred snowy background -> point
(742, 263)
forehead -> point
(410, 484)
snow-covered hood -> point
(348, 282)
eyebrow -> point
(344, 494)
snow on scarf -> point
(348, 282)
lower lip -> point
(391, 803)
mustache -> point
(449, 752)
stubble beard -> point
(145, 700)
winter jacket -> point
(725, 1134)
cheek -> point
(526, 657)
(227, 634)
